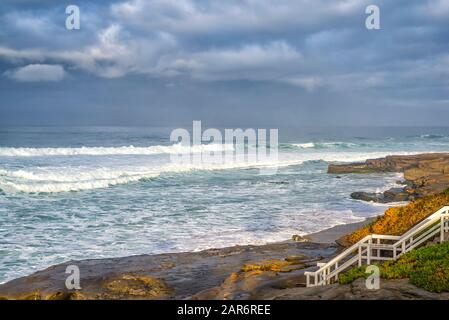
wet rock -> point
(279, 182)
(395, 195)
(391, 195)
(367, 196)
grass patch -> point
(426, 267)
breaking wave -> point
(102, 151)
(52, 180)
(78, 178)
(433, 136)
(323, 145)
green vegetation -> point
(426, 267)
(352, 274)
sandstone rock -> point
(424, 174)
(273, 265)
(352, 168)
(134, 286)
(295, 258)
(299, 238)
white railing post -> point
(336, 267)
(442, 229)
(360, 255)
(446, 226)
(368, 252)
(378, 250)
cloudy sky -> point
(233, 62)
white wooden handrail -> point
(371, 248)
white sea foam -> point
(77, 178)
(102, 151)
(323, 145)
(304, 145)
(388, 204)
(11, 187)
(392, 184)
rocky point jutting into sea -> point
(272, 271)
(424, 174)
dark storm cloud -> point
(289, 61)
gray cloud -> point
(315, 49)
(37, 73)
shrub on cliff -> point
(426, 267)
(398, 220)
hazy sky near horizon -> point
(233, 62)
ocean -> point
(95, 192)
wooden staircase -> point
(375, 247)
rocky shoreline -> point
(424, 174)
(272, 271)
(239, 272)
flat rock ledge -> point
(239, 272)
